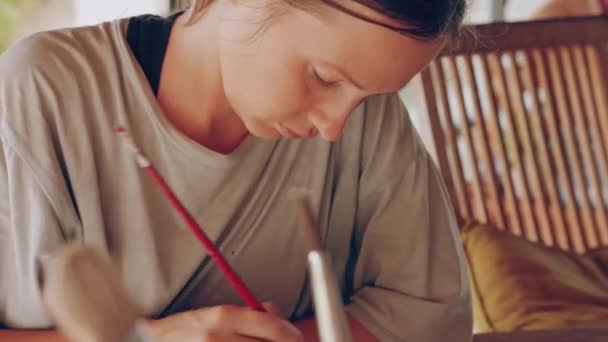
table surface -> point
(582, 335)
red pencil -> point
(234, 279)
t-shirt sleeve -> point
(36, 212)
(29, 233)
(410, 277)
(5, 221)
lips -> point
(313, 132)
(288, 133)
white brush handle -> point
(329, 309)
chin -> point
(267, 136)
(262, 131)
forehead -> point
(380, 58)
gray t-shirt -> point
(383, 211)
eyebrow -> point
(411, 31)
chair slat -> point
(519, 114)
(531, 166)
(462, 201)
(539, 129)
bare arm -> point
(308, 328)
(31, 336)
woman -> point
(235, 102)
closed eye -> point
(323, 80)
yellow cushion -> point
(519, 285)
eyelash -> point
(321, 80)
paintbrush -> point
(329, 309)
(234, 279)
(86, 297)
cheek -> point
(264, 83)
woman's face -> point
(299, 71)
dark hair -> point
(421, 19)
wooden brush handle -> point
(85, 295)
(306, 219)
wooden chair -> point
(519, 115)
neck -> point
(191, 91)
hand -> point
(225, 323)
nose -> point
(331, 116)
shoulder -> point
(45, 72)
(388, 129)
(385, 115)
(387, 139)
(59, 52)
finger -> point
(235, 338)
(267, 326)
(241, 338)
(273, 309)
(218, 337)
(229, 319)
